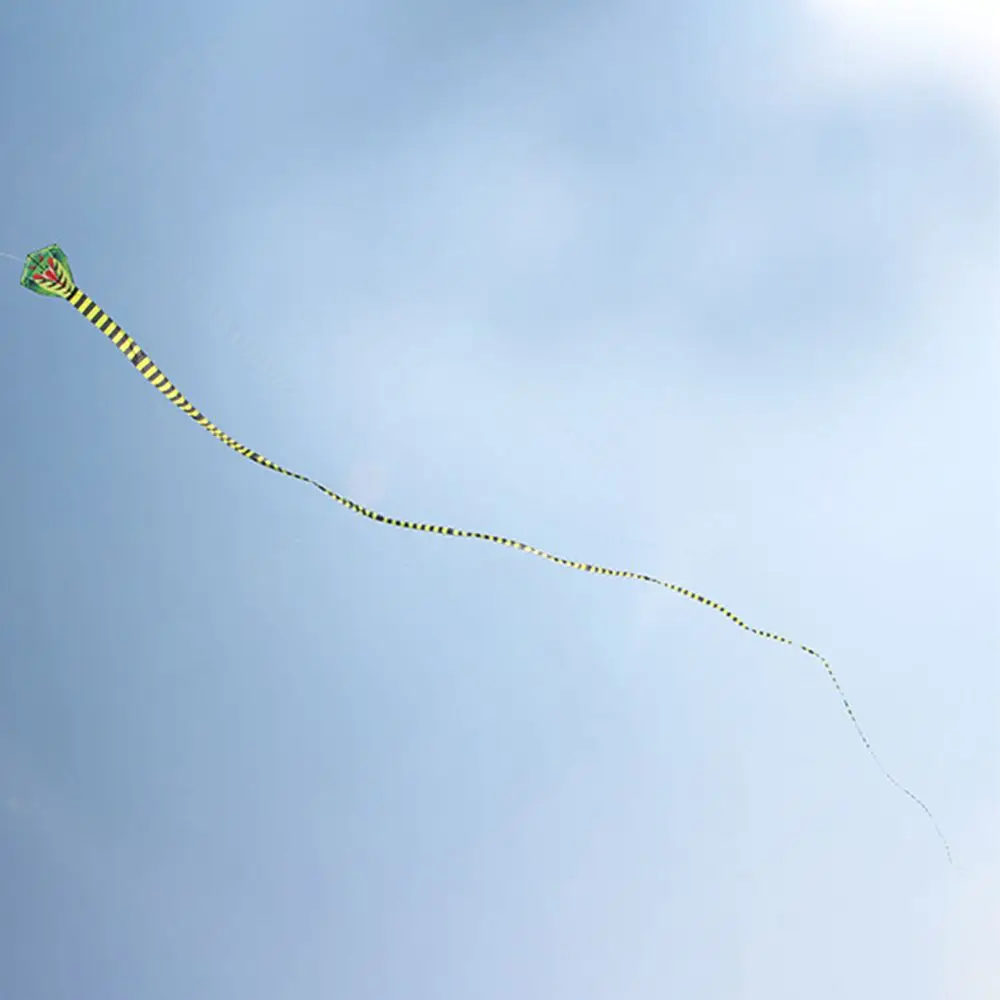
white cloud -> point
(955, 43)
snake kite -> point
(47, 272)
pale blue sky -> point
(674, 288)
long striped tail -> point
(47, 272)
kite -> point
(47, 272)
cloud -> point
(885, 42)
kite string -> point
(10, 256)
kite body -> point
(47, 272)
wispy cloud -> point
(950, 45)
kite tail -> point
(47, 272)
(848, 708)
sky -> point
(702, 290)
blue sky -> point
(706, 291)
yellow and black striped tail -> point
(47, 272)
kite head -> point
(47, 272)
